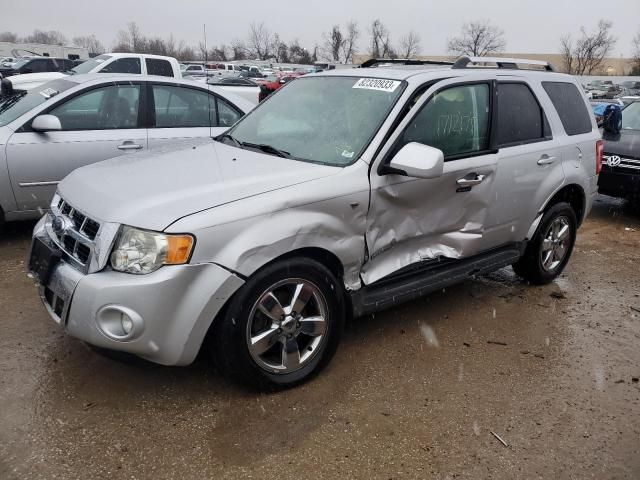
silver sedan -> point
(49, 131)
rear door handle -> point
(129, 146)
(546, 160)
(470, 182)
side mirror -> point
(46, 123)
(418, 160)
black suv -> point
(620, 175)
(37, 65)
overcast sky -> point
(530, 26)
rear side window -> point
(177, 107)
(156, 66)
(569, 104)
(123, 65)
(520, 118)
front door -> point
(414, 220)
(96, 125)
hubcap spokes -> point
(287, 325)
(555, 244)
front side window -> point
(455, 120)
(38, 65)
(123, 65)
(227, 115)
(105, 108)
(328, 120)
(520, 118)
(156, 66)
(182, 107)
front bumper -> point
(174, 306)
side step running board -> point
(404, 287)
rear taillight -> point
(599, 152)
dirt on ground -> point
(430, 389)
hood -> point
(625, 144)
(151, 190)
(32, 80)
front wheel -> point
(281, 327)
(550, 248)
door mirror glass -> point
(46, 123)
(418, 160)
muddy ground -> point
(413, 392)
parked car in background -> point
(6, 61)
(631, 87)
(196, 70)
(36, 65)
(273, 83)
(47, 132)
(335, 198)
(620, 176)
(131, 63)
(243, 87)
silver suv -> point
(345, 193)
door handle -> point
(546, 160)
(470, 182)
(129, 146)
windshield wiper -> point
(228, 136)
(9, 101)
(267, 149)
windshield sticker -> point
(48, 93)
(98, 60)
(347, 154)
(377, 84)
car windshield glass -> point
(13, 106)
(89, 65)
(631, 117)
(323, 119)
(20, 63)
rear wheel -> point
(549, 250)
(281, 327)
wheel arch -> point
(574, 195)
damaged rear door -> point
(414, 220)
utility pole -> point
(204, 31)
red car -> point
(270, 84)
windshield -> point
(321, 119)
(91, 64)
(13, 106)
(631, 117)
(19, 63)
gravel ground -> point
(413, 392)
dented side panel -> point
(412, 220)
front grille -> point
(629, 164)
(78, 236)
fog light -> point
(127, 324)
(119, 323)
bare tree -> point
(90, 42)
(299, 54)
(349, 43)
(333, 43)
(477, 39)
(409, 45)
(260, 41)
(635, 54)
(52, 37)
(587, 54)
(239, 50)
(8, 37)
(220, 53)
(131, 39)
(381, 46)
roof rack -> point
(506, 63)
(372, 62)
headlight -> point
(142, 251)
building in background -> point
(9, 49)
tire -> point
(532, 266)
(233, 338)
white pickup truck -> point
(136, 63)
